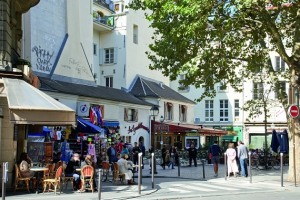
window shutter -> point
(165, 110)
(172, 112)
(125, 114)
(135, 115)
(282, 65)
(277, 63)
(115, 55)
(101, 55)
(180, 113)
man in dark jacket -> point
(192, 155)
(215, 150)
(70, 170)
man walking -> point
(192, 155)
(215, 151)
(243, 155)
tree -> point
(209, 40)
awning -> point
(87, 127)
(184, 128)
(111, 123)
(29, 105)
(231, 138)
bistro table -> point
(38, 170)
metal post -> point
(178, 166)
(4, 178)
(281, 168)
(152, 169)
(225, 166)
(99, 183)
(203, 164)
(250, 168)
(139, 174)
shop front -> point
(25, 111)
(181, 135)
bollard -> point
(99, 183)
(152, 169)
(250, 168)
(178, 166)
(225, 165)
(4, 178)
(281, 168)
(140, 173)
(203, 164)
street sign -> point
(293, 111)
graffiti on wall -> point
(44, 57)
(77, 66)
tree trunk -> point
(294, 135)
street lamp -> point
(153, 113)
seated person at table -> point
(70, 170)
(125, 168)
(24, 165)
(89, 161)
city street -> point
(190, 185)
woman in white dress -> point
(231, 160)
(124, 167)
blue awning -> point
(87, 127)
(111, 123)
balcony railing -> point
(104, 4)
(106, 20)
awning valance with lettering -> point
(29, 105)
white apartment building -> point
(224, 110)
(119, 54)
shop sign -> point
(83, 109)
(161, 128)
(192, 134)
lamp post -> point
(153, 113)
(161, 119)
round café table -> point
(38, 169)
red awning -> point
(183, 128)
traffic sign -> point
(293, 111)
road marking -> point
(215, 186)
(190, 186)
(179, 190)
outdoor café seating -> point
(53, 183)
(87, 177)
(117, 176)
(20, 181)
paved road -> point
(168, 185)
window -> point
(223, 110)
(135, 34)
(280, 64)
(236, 109)
(258, 90)
(95, 49)
(130, 114)
(109, 81)
(181, 86)
(281, 89)
(168, 111)
(209, 110)
(109, 56)
(223, 86)
(182, 113)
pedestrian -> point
(192, 155)
(163, 154)
(243, 156)
(215, 151)
(231, 160)
(135, 153)
(112, 154)
(174, 155)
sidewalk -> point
(118, 191)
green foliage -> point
(229, 40)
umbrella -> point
(274, 142)
(284, 142)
